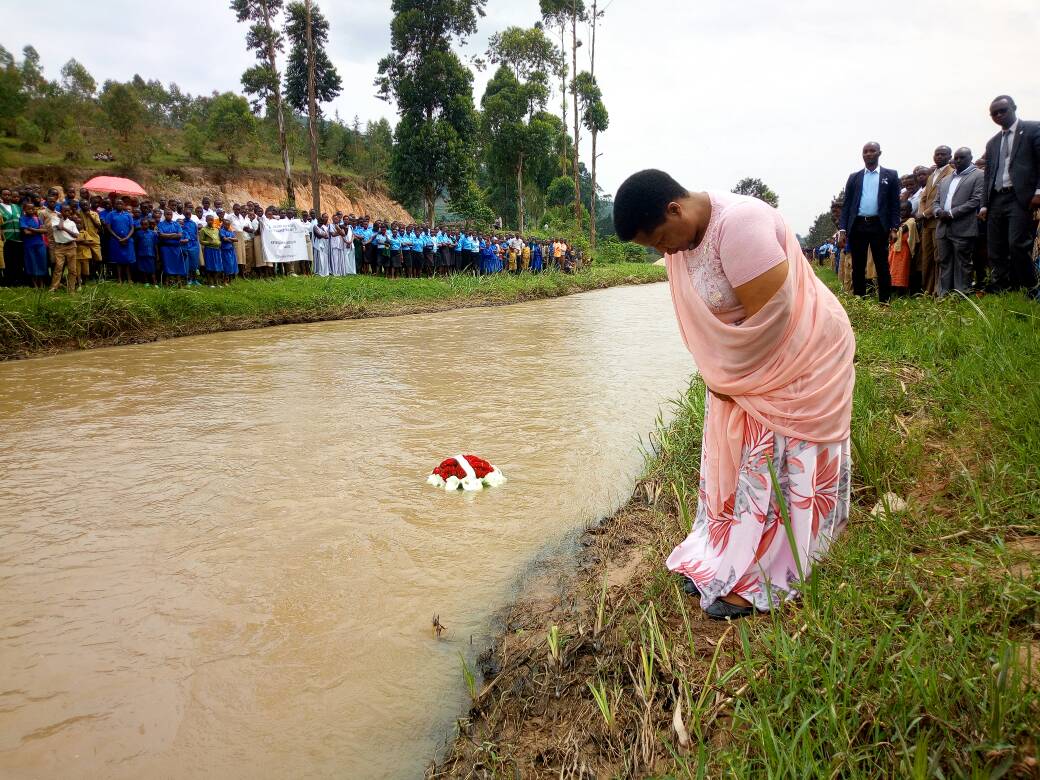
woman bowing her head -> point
(775, 348)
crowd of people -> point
(54, 237)
(959, 225)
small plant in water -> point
(470, 678)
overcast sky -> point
(709, 90)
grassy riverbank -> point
(33, 323)
(915, 651)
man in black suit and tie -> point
(869, 216)
(1010, 194)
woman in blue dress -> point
(536, 257)
(209, 237)
(171, 253)
(190, 248)
(145, 245)
(121, 243)
(228, 258)
(33, 245)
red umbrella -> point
(106, 184)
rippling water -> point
(220, 559)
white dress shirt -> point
(955, 182)
(64, 231)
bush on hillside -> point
(30, 134)
(613, 250)
(71, 144)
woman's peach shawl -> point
(789, 366)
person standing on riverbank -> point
(145, 249)
(33, 246)
(64, 233)
(10, 214)
(1010, 195)
(228, 258)
(88, 246)
(172, 241)
(209, 238)
(121, 247)
(775, 349)
(869, 218)
(929, 222)
(957, 206)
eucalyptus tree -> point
(436, 136)
(263, 80)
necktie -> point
(1005, 155)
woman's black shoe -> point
(723, 610)
(688, 586)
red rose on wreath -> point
(482, 470)
(451, 468)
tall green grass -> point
(33, 321)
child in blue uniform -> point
(121, 245)
(228, 259)
(33, 245)
(536, 257)
(209, 237)
(145, 245)
(171, 251)
(190, 249)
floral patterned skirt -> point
(745, 549)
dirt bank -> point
(193, 182)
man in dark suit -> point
(1010, 194)
(869, 216)
(956, 206)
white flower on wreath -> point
(452, 483)
(472, 484)
(494, 478)
(436, 480)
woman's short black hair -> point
(642, 200)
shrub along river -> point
(220, 557)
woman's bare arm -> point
(755, 294)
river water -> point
(219, 555)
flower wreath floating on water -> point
(465, 472)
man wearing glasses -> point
(1011, 194)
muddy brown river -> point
(219, 555)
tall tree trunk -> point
(592, 52)
(312, 111)
(431, 202)
(563, 99)
(272, 62)
(593, 213)
(574, 95)
(520, 193)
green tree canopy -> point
(12, 98)
(518, 135)
(262, 81)
(122, 108)
(756, 188)
(327, 82)
(77, 81)
(436, 136)
(231, 126)
(822, 229)
(531, 56)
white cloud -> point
(711, 91)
